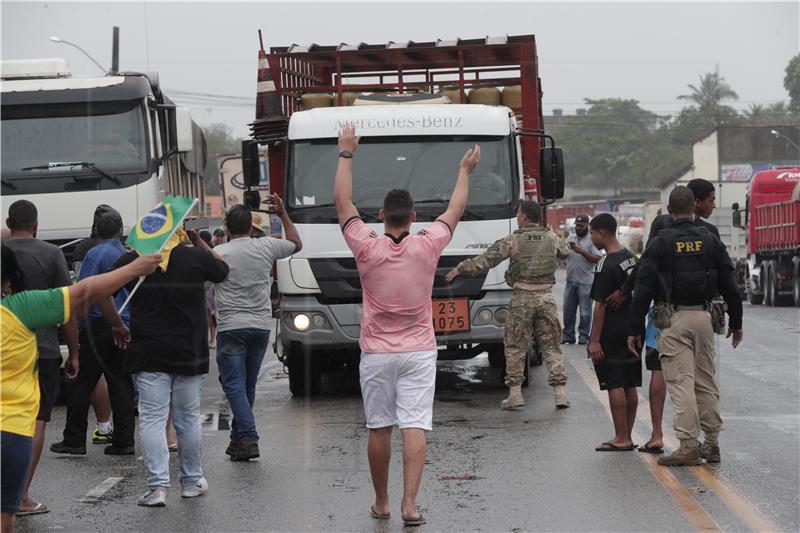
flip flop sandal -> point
(39, 508)
(413, 522)
(611, 447)
(378, 516)
(646, 448)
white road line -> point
(98, 492)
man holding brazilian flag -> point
(168, 350)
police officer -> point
(531, 273)
(682, 269)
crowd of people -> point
(217, 288)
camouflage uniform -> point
(532, 250)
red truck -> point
(771, 271)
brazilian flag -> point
(154, 229)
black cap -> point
(582, 218)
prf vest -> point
(535, 262)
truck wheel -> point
(497, 356)
(535, 353)
(305, 378)
(796, 285)
(769, 283)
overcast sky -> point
(648, 51)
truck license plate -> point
(450, 315)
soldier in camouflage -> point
(531, 273)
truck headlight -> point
(501, 315)
(301, 322)
(318, 321)
(484, 316)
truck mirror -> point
(251, 166)
(184, 139)
(551, 171)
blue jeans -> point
(157, 390)
(575, 295)
(239, 356)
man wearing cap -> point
(102, 338)
(580, 274)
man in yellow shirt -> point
(21, 314)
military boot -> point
(560, 395)
(687, 455)
(710, 449)
(514, 399)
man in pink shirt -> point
(398, 345)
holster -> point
(662, 315)
(718, 310)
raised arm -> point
(343, 184)
(458, 200)
(292, 235)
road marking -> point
(98, 492)
(690, 507)
(715, 481)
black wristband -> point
(347, 154)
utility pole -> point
(115, 51)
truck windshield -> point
(426, 166)
(109, 134)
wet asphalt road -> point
(528, 470)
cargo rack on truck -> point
(287, 73)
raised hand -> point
(348, 141)
(471, 159)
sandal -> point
(378, 516)
(413, 522)
(611, 447)
(39, 508)
(647, 448)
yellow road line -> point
(690, 507)
(715, 481)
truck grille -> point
(339, 282)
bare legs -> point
(658, 396)
(623, 404)
(379, 452)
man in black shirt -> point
(682, 269)
(617, 370)
(168, 356)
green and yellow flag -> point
(157, 227)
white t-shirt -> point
(243, 298)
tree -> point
(220, 140)
(712, 91)
(791, 83)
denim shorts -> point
(14, 464)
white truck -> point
(407, 141)
(70, 144)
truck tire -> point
(305, 378)
(769, 282)
(535, 354)
(796, 285)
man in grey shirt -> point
(580, 274)
(45, 267)
(244, 311)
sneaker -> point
(102, 438)
(154, 497)
(233, 447)
(194, 490)
(119, 450)
(248, 449)
(63, 447)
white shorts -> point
(398, 389)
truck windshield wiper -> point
(469, 212)
(360, 212)
(8, 184)
(82, 164)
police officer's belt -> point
(691, 307)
